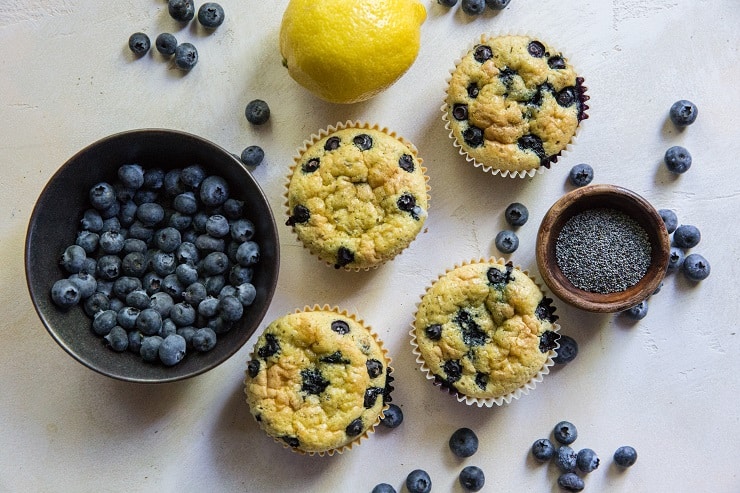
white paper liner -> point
(324, 132)
(371, 429)
(478, 401)
(489, 168)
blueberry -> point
(463, 442)
(124, 285)
(472, 478)
(497, 4)
(172, 350)
(163, 263)
(677, 159)
(567, 351)
(217, 226)
(187, 333)
(233, 209)
(167, 239)
(109, 267)
(85, 283)
(168, 328)
(131, 245)
(204, 339)
(185, 203)
(230, 308)
(111, 242)
(195, 293)
(473, 7)
(152, 283)
(150, 348)
(257, 112)
(383, 488)
(570, 481)
(418, 481)
(65, 294)
(149, 322)
(696, 267)
(252, 156)
(192, 176)
(154, 178)
(186, 56)
(182, 314)
(683, 113)
(166, 44)
(180, 222)
(96, 303)
(187, 253)
(139, 43)
(566, 458)
(447, 3)
(116, 305)
(587, 461)
(131, 176)
(127, 316)
(91, 221)
(214, 284)
(127, 213)
(565, 432)
(686, 236)
(240, 275)
(625, 456)
(392, 417)
(211, 15)
(675, 259)
(181, 10)
(543, 450)
(215, 263)
(134, 264)
(581, 175)
(208, 307)
(141, 232)
(150, 214)
(242, 230)
(110, 224)
(248, 253)
(111, 211)
(117, 339)
(638, 312)
(214, 191)
(138, 299)
(670, 219)
(186, 273)
(73, 259)
(516, 214)
(87, 240)
(507, 241)
(172, 184)
(246, 293)
(200, 219)
(162, 302)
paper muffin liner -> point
(386, 396)
(479, 401)
(325, 132)
(580, 89)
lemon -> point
(346, 51)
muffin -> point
(318, 380)
(357, 195)
(485, 331)
(513, 105)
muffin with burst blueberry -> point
(318, 380)
(485, 331)
(513, 104)
(357, 195)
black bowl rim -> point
(153, 131)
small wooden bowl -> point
(611, 197)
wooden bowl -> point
(611, 197)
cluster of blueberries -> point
(163, 262)
(677, 158)
(476, 7)
(463, 443)
(568, 460)
(210, 16)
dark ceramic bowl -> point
(56, 219)
(610, 197)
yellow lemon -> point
(346, 51)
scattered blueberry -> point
(683, 113)
(181, 10)
(214, 191)
(543, 450)
(204, 339)
(172, 350)
(418, 481)
(670, 219)
(257, 112)
(139, 43)
(186, 56)
(638, 312)
(252, 156)
(587, 461)
(211, 15)
(696, 267)
(473, 7)
(497, 4)
(567, 351)
(131, 176)
(507, 241)
(677, 159)
(686, 236)
(581, 175)
(472, 478)
(149, 350)
(565, 432)
(166, 44)
(463, 442)
(570, 481)
(675, 259)
(566, 458)
(117, 339)
(392, 417)
(192, 176)
(625, 456)
(516, 214)
(383, 488)
(65, 294)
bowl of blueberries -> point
(152, 255)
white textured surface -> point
(666, 385)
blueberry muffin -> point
(357, 196)
(513, 104)
(318, 380)
(485, 331)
